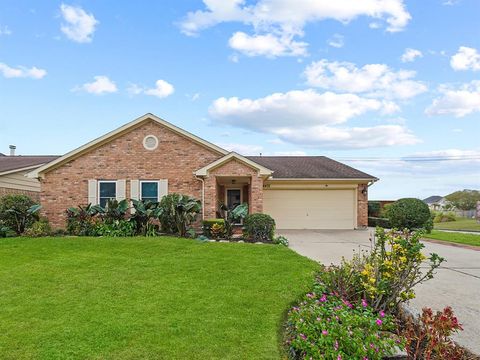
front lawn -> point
(459, 224)
(461, 238)
(138, 298)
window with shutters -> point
(106, 190)
(149, 190)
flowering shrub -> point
(324, 326)
(393, 268)
(430, 339)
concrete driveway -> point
(457, 282)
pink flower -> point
(364, 303)
(339, 357)
(310, 295)
(379, 322)
(323, 298)
(303, 336)
(336, 345)
(382, 313)
(324, 332)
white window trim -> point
(145, 142)
(140, 195)
(99, 182)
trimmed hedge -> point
(411, 214)
(259, 227)
(377, 221)
(208, 223)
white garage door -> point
(311, 209)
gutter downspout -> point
(203, 195)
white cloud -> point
(22, 72)
(336, 41)
(268, 45)
(286, 19)
(458, 102)
(79, 26)
(4, 30)
(161, 90)
(309, 118)
(243, 149)
(410, 55)
(466, 59)
(100, 85)
(371, 79)
(195, 97)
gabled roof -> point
(432, 199)
(9, 164)
(309, 167)
(118, 132)
(263, 171)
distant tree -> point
(465, 199)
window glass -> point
(149, 190)
(107, 190)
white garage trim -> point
(312, 208)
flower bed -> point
(353, 312)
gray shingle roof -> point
(308, 167)
(8, 163)
(432, 199)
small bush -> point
(410, 214)
(116, 228)
(39, 228)
(430, 339)
(374, 208)
(325, 326)
(82, 220)
(18, 212)
(444, 217)
(376, 221)
(4, 229)
(177, 212)
(208, 223)
(280, 240)
(259, 227)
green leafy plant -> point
(39, 228)
(116, 228)
(145, 212)
(259, 227)
(233, 216)
(280, 240)
(82, 220)
(217, 231)
(411, 214)
(429, 338)
(18, 212)
(325, 326)
(4, 229)
(376, 221)
(178, 212)
(444, 217)
(114, 210)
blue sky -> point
(391, 87)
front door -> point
(234, 198)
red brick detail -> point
(34, 195)
(176, 158)
(362, 206)
(233, 168)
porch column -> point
(210, 201)
(256, 194)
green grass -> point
(467, 239)
(459, 224)
(145, 298)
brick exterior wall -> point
(362, 206)
(35, 195)
(175, 159)
(233, 168)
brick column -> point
(210, 201)
(362, 206)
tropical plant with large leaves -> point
(81, 219)
(234, 216)
(18, 212)
(143, 215)
(178, 212)
(114, 210)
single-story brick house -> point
(13, 170)
(149, 157)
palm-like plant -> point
(24, 216)
(234, 216)
(144, 213)
(178, 212)
(115, 210)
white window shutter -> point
(134, 189)
(92, 192)
(120, 189)
(162, 188)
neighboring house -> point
(149, 157)
(435, 202)
(13, 170)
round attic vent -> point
(150, 142)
